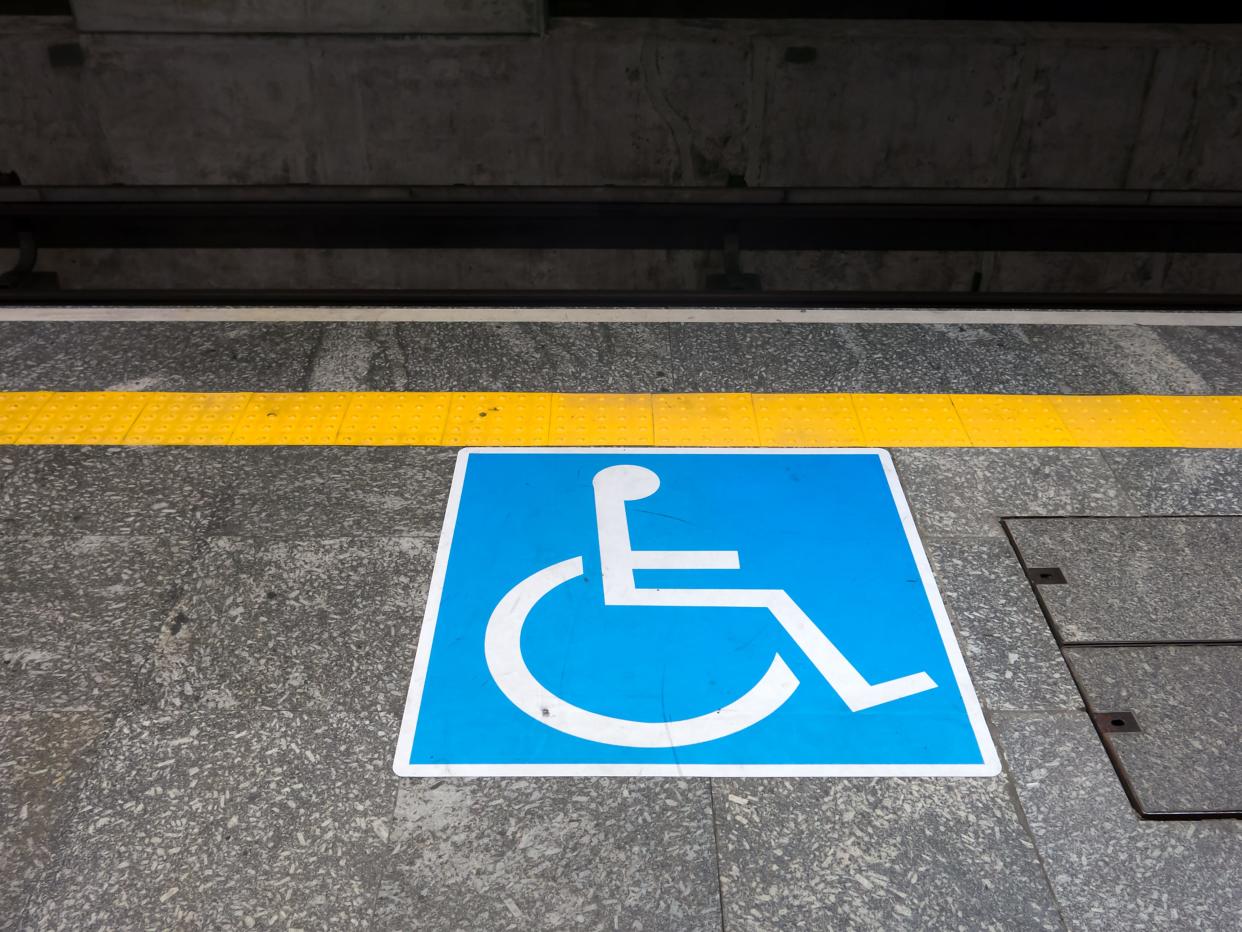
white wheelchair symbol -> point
(615, 486)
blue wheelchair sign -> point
(686, 612)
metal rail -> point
(993, 300)
(622, 224)
(733, 221)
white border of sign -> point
(405, 740)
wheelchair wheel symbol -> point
(614, 486)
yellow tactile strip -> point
(566, 419)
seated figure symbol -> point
(614, 486)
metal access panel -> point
(1178, 746)
(1120, 580)
(1148, 614)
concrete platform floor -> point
(168, 763)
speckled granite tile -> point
(10, 457)
(1013, 657)
(1139, 579)
(170, 357)
(43, 759)
(856, 358)
(552, 854)
(1180, 482)
(882, 854)
(1112, 871)
(927, 358)
(306, 624)
(764, 357)
(1188, 702)
(228, 820)
(79, 617)
(336, 491)
(1214, 353)
(965, 492)
(359, 357)
(1103, 360)
(951, 358)
(113, 490)
(579, 357)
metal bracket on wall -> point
(22, 275)
(27, 256)
(733, 278)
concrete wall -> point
(809, 104)
(631, 103)
(452, 17)
(651, 270)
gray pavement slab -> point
(181, 356)
(538, 357)
(617, 357)
(1214, 353)
(950, 358)
(552, 854)
(79, 617)
(1112, 871)
(1187, 701)
(227, 820)
(1179, 482)
(1012, 656)
(359, 357)
(755, 357)
(335, 492)
(230, 583)
(580, 357)
(43, 759)
(303, 624)
(855, 358)
(965, 492)
(1111, 360)
(929, 358)
(881, 854)
(113, 490)
(10, 457)
(1138, 579)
